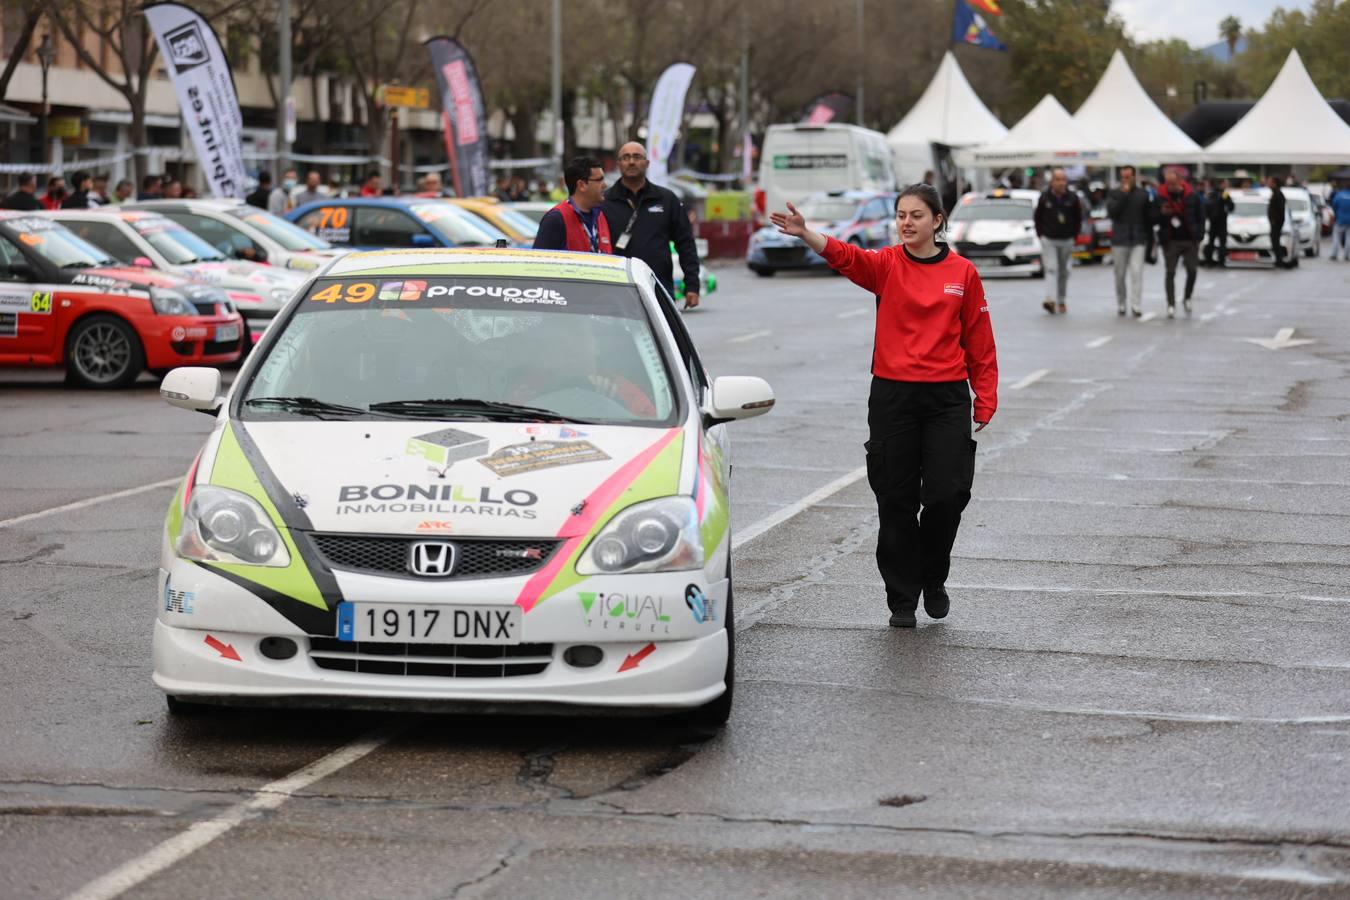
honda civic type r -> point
(459, 477)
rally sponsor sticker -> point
(517, 459)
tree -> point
(1058, 47)
(1230, 29)
(1320, 35)
(32, 14)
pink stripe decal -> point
(577, 528)
(191, 480)
(700, 484)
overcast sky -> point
(1196, 23)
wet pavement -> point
(1141, 689)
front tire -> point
(763, 273)
(103, 351)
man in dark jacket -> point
(80, 199)
(1218, 206)
(25, 197)
(1275, 213)
(1059, 218)
(259, 197)
(645, 218)
(1181, 224)
(1131, 224)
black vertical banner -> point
(464, 116)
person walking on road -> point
(1275, 214)
(645, 219)
(933, 346)
(279, 201)
(1131, 216)
(25, 195)
(1181, 224)
(578, 223)
(1340, 233)
(1218, 206)
(260, 197)
(1059, 218)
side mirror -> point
(738, 397)
(423, 240)
(193, 387)
(22, 270)
(143, 261)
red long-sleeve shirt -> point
(932, 321)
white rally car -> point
(451, 477)
(1249, 230)
(996, 230)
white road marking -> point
(268, 797)
(752, 336)
(1148, 317)
(92, 501)
(1030, 379)
(1099, 342)
(778, 517)
(854, 312)
(1209, 316)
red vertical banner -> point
(464, 116)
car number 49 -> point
(412, 624)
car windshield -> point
(828, 210)
(1299, 204)
(522, 223)
(466, 347)
(1249, 208)
(58, 244)
(458, 226)
(178, 245)
(284, 233)
(1005, 210)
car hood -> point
(503, 479)
(988, 231)
(243, 275)
(130, 278)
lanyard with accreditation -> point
(592, 228)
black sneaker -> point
(903, 620)
(936, 602)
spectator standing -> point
(503, 191)
(311, 193)
(432, 186)
(151, 188)
(1181, 224)
(122, 193)
(55, 194)
(1059, 218)
(578, 223)
(279, 201)
(172, 187)
(98, 194)
(1275, 213)
(25, 195)
(1340, 234)
(1218, 206)
(371, 186)
(645, 219)
(259, 197)
(80, 198)
(1131, 217)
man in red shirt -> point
(578, 223)
(934, 346)
(371, 186)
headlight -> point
(222, 525)
(302, 263)
(281, 295)
(171, 303)
(1024, 245)
(656, 536)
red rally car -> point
(64, 302)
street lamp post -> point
(46, 56)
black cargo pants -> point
(919, 455)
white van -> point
(799, 160)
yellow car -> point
(518, 226)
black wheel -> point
(709, 718)
(103, 351)
(183, 709)
(764, 273)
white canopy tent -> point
(949, 112)
(1120, 114)
(1047, 134)
(1290, 124)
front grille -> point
(785, 255)
(434, 660)
(477, 557)
(969, 249)
(211, 348)
(206, 308)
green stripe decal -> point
(560, 271)
(232, 470)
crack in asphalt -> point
(504, 862)
(816, 573)
(537, 771)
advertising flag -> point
(969, 27)
(201, 77)
(989, 6)
(664, 117)
(831, 107)
(464, 116)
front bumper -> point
(1007, 266)
(783, 255)
(171, 341)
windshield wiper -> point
(88, 265)
(307, 406)
(491, 409)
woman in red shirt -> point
(934, 346)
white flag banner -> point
(664, 117)
(201, 76)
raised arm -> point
(793, 223)
(865, 268)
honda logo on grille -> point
(432, 558)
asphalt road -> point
(1141, 690)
